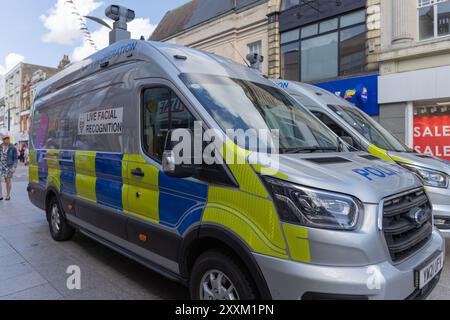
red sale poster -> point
(432, 135)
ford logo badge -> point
(418, 216)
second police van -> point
(364, 133)
(327, 224)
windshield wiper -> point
(306, 149)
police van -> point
(364, 133)
(327, 223)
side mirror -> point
(348, 140)
(174, 167)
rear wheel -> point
(60, 229)
(220, 276)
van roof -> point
(312, 92)
(183, 60)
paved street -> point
(33, 266)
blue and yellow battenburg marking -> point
(106, 179)
(103, 178)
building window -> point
(254, 48)
(290, 66)
(319, 57)
(352, 50)
(327, 49)
(434, 18)
(286, 4)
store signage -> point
(361, 91)
(432, 135)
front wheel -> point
(60, 229)
(219, 276)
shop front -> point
(421, 102)
(432, 130)
(361, 91)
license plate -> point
(427, 273)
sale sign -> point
(432, 135)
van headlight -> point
(430, 178)
(314, 208)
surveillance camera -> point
(255, 58)
(120, 13)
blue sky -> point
(25, 32)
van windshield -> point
(238, 104)
(369, 128)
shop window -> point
(432, 130)
(434, 18)
(290, 66)
(353, 50)
(319, 57)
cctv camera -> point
(120, 14)
(255, 58)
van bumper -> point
(440, 198)
(289, 280)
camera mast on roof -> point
(121, 16)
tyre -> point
(60, 229)
(217, 275)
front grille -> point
(405, 234)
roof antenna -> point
(121, 16)
(240, 55)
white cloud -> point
(138, 27)
(62, 25)
(11, 61)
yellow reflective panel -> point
(297, 238)
(33, 174)
(380, 153)
(141, 194)
(85, 175)
(400, 159)
(263, 170)
(54, 173)
(236, 159)
(252, 218)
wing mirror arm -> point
(174, 168)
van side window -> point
(336, 128)
(162, 111)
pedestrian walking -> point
(26, 155)
(22, 155)
(8, 165)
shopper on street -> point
(8, 165)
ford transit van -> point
(322, 223)
(364, 133)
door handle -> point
(138, 172)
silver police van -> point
(327, 223)
(364, 133)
